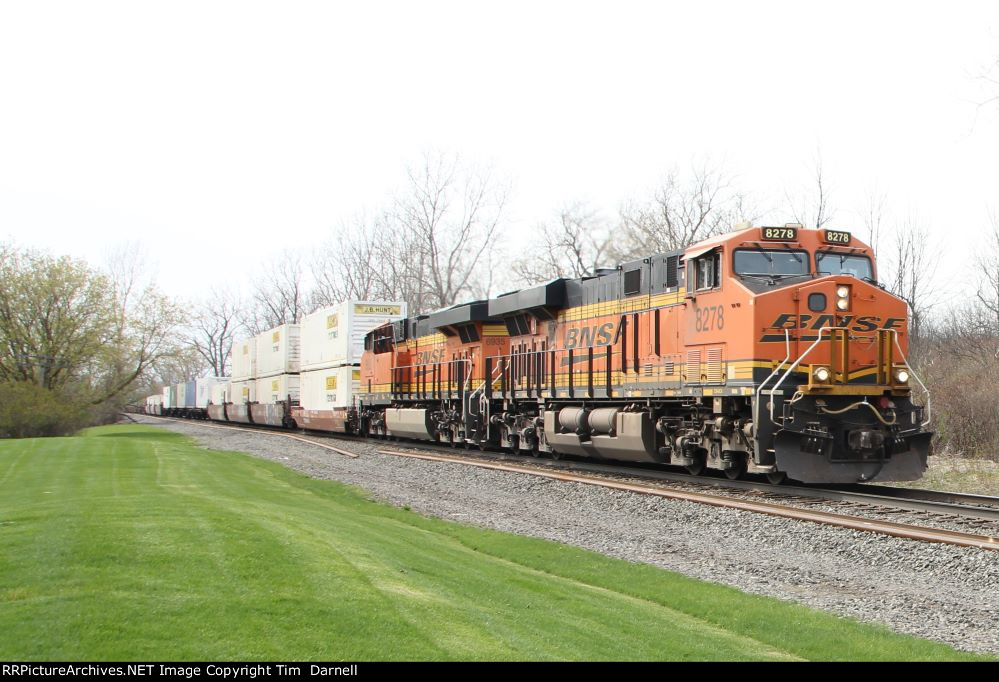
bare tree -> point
(213, 326)
(279, 295)
(682, 211)
(445, 222)
(349, 266)
(812, 206)
(575, 245)
(987, 264)
(912, 267)
(874, 219)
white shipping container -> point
(244, 360)
(167, 395)
(243, 391)
(279, 350)
(325, 389)
(203, 390)
(335, 335)
(185, 395)
(277, 388)
(220, 392)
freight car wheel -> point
(695, 469)
(776, 477)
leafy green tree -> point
(81, 335)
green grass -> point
(131, 543)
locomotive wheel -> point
(695, 469)
(556, 455)
(514, 447)
(535, 450)
(735, 473)
(776, 477)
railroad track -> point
(793, 500)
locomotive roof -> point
(463, 313)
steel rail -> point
(250, 428)
(900, 530)
(964, 505)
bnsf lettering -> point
(864, 323)
(594, 335)
(426, 357)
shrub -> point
(29, 411)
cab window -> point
(770, 262)
(836, 263)
(707, 271)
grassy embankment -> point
(960, 475)
(131, 543)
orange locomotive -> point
(767, 350)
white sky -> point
(218, 132)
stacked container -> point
(220, 392)
(332, 345)
(278, 363)
(279, 351)
(243, 383)
(244, 360)
(204, 389)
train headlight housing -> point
(902, 375)
(821, 374)
(842, 297)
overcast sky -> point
(217, 132)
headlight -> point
(902, 376)
(842, 304)
(843, 292)
(821, 374)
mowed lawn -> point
(131, 543)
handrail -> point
(929, 409)
(790, 369)
(759, 391)
(926, 391)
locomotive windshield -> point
(834, 263)
(770, 262)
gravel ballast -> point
(940, 592)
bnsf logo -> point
(863, 323)
(426, 357)
(594, 335)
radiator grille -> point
(693, 367)
(713, 369)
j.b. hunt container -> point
(243, 360)
(221, 392)
(334, 336)
(326, 398)
(279, 350)
(275, 398)
(324, 389)
(275, 389)
(241, 395)
(218, 396)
